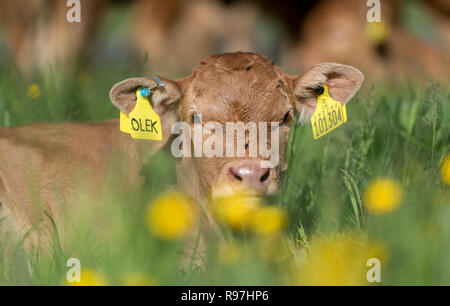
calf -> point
(231, 87)
(338, 31)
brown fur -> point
(38, 34)
(176, 34)
(45, 168)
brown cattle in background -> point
(338, 31)
(176, 34)
(38, 34)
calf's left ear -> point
(164, 100)
(342, 81)
(123, 94)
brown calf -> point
(40, 164)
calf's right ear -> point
(343, 82)
(123, 94)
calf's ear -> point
(163, 99)
(342, 81)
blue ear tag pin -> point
(145, 92)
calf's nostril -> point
(235, 176)
(251, 175)
(265, 176)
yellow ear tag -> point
(124, 123)
(144, 122)
(329, 114)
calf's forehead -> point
(249, 91)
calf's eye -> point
(195, 118)
(287, 118)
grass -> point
(401, 132)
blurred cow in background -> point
(176, 34)
(339, 31)
(37, 32)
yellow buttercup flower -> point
(171, 216)
(445, 170)
(376, 32)
(377, 250)
(268, 220)
(90, 277)
(236, 210)
(138, 279)
(34, 91)
(383, 196)
(338, 261)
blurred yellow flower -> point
(383, 196)
(445, 170)
(89, 277)
(268, 220)
(171, 216)
(138, 279)
(376, 32)
(236, 210)
(34, 91)
(228, 253)
(338, 261)
(377, 250)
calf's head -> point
(229, 100)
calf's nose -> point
(251, 175)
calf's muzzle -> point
(249, 174)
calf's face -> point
(231, 99)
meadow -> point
(377, 187)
